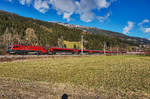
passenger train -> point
(39, 50)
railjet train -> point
(39, 50)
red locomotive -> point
(21, 49)
(24, 49)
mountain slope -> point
(137, 40)
(22, 30)
(93, 30)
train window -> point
(9, 47)
(15, 46)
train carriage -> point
(21, 49)
(54, 50)
(28, 49)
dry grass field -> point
(91, 77)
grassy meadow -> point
(109, 77)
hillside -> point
(137, 40)
(22, 30)
(93, 30)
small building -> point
(75, 44)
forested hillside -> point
(16, 29)
(136, 40)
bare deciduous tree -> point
(31, 37)
(61, 42)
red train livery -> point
(21, 49)
(24, 49)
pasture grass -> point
(118, 76)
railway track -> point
(8, 58)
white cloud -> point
(23, 2)
(103, 18)
(144, 26)
(143, 22)
(102, 4)
(64, 7)
(147, 30)
(127, 28)
(10, 0)
(41, 6)
(67, 16)
(146, 21)
(87, 17)
(83, 8)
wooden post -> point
(82, 45)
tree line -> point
(15, 29)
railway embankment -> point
(9, 58)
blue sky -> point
(131, 17)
